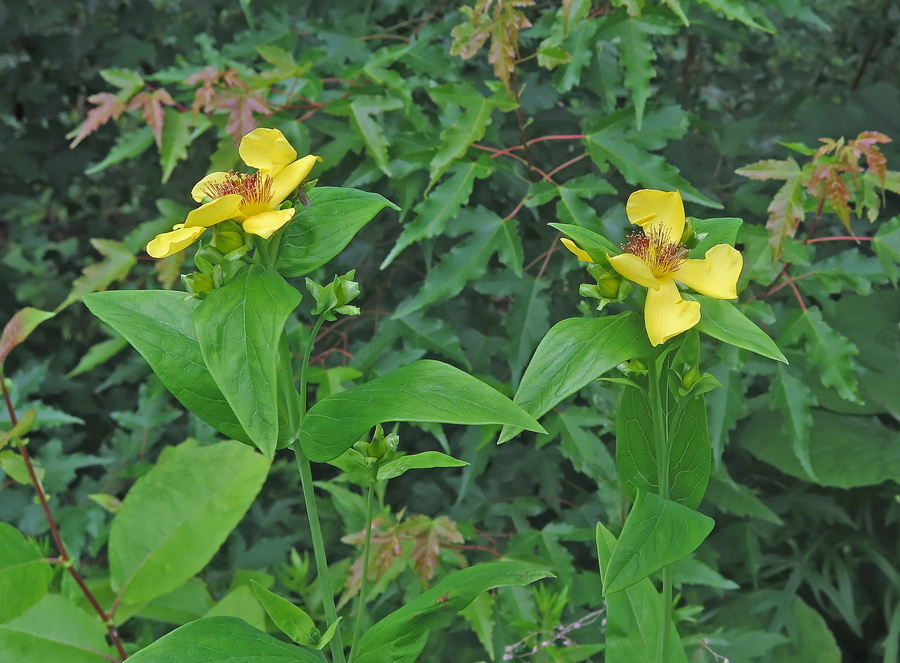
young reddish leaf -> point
(785, 213)
(151, 106)
(19, 327)
(108, 107)
(770, 169)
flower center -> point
(253, 188)
(655, 247)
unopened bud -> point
(691, 377)
(608, 284)
(688, 233)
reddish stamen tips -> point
(252, 188)
(655, 248)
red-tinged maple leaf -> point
(151, 106)
(242, 106)
(865, 144)
(785, 213)
(837, 193)
(436, 534)
(108, 107)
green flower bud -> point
(691, 377)
(688, 233)
(608, 285)
(197, 284)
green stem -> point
(312, 512)
(364, 585)
(661, 433)
(315, 530)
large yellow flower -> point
(251, 199)
(656, 259)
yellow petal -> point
(266, 223)
(172, 242)
(267, 150)
(213, 212)
(290, 177)
(649, 207)
(580, 253)
(634, 269)
(199, 190)
(666, 314)
(716, 275)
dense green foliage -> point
(558, 111)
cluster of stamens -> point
(251, 187)
(655, 248)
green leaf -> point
(459, 136)
(176, 136)
(240, 602)
(401, 636)
(222, 639)
(54, 629)
(737, 10)
(98, 354)
(724, 321)
(845, 451)
(795, 400)
(291, 620)
(710, 232)
(19, 328)
(689, 449)
(886, 244)
(466, 261)
(423, 391)
(657, 533)
(442, 203)
(158, 324)
(365, 111)
(636, 54)
(430, 333)
(626, 148)
(423, 461)
(118, 263)
(574, 353)
(238, 329)
(319, 232)
(128, 146)
(480, 615)
(129, 82)
(193, 500)
(24, 573)
(633, 616)
(830, 350)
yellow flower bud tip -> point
(580, 253)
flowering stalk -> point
(309, 497)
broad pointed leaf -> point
(633, 622)
(24, 573)
(401, 636)
(219, 640)
(724, 321)
(423, 391)
(574, 353)
(322, 230)
(193, 498)
(158, 324)
(238, 329)
(657, 533)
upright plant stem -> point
(312, 512)
(364, 585)
(661, 434)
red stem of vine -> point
(67, 561)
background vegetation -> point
(484, 123)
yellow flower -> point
(251, 199)
(656, 259)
